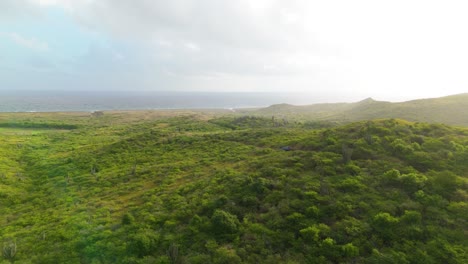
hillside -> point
(192, 187)
(449, 110)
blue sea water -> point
(55, 101)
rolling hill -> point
(449, 110)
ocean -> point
(64, 101)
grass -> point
(64, 193)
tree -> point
(224, 255)
(392, 257)
(224, 223)
(128, 219)
(385, 224)
(143, 243)
(347, 152)
(350, 250)
(444, 183)
(9, 251)
(412, 182)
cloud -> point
(364, 46)
(14, 9)
(229, 37)
(210, 42)
(30, 43)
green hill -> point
(188, 187)
(449, 110)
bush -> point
(224, 223)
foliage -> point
(194, 188)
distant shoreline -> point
(73, 101)
(52, 101)
(202, 109)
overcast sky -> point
(389, 50)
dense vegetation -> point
(195, 188)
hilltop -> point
(449, 110)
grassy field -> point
(221, 187)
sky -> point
(388, 50)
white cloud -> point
(12, 9)
(48, 2)
(397, 49)
(229, 37)
(68, 4)
(192, 47)
(30, 43)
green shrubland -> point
(194, 188)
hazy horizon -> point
(301, 97)
(72, 101)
